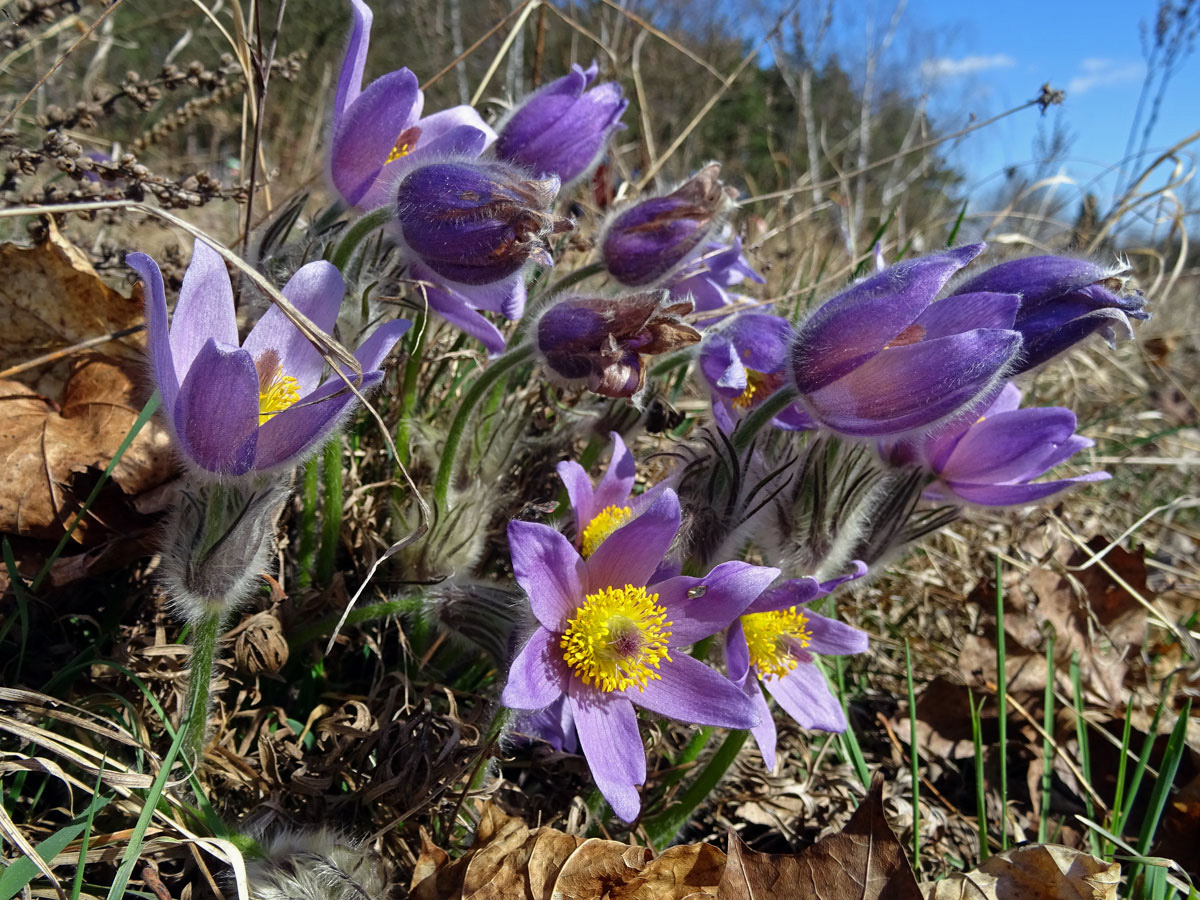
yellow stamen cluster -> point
(401, 150)
(754, 383)
(275, 394)
(605, 523)
(767, 636)
(617, 639)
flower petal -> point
(216, 412)
(805, 696)
(460, 141)
(1036, 276)
(793, 592)
(965, 312)
(764, 732)
(1018, 494)
(716, 599)
(631, 553)
(549, 570)
(455, 309)
(617, 484)
(369, 129)
(538, 675)
(204, 309)
(350, 79)
(689, 691)
(157, 325)
(608, 733)
(1012, 446)
(316, 290)
(737, 653)
(833, 638)
(579, 494)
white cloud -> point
(968, 65)
(1095, 72)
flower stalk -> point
(662, 828)
(195, 709)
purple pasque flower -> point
(744, 361)
(775, 642)
(1063, 300)
(600, 341)
(607, 639)
(882, 358)
(261, 406)
(562, 128)
(378, 132)
(477, 223)
(645, 242)
(462, 305)
(992, 460)
(707, 279)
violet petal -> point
(689, 691)
(608, 734)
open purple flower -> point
(462, 305)
(992, 460)
(600, 341)
(708, 278)
(744, 361)
(607, 639)
(646, 241)
(775, 642)
(1063, 300)
(261, 406)
(378, 132)
(562, 128)
(882, 359)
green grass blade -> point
(1085, 754)
(847, 739)
(21, 871)
(1119, 795)
(1047, 741)
(1176, 744)
(1002, 704)
(912, 752)
(86, 837)
(980, 789)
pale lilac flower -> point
(609, 638)
(708, 278)
(562, 128)
(237, 410)
(378, 132)
(775, 641)
(882, 359)
(462, 305)
(992, 460)
(1063, 300)
(744, 361)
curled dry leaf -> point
(864, 862)
(1032, 872)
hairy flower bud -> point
(601, 341)
(477, 223)
(646, 242)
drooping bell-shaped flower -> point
(992, 460)
(645, 242)
(562, 128)
(600, 341)
(744, 361)
(261, 405)
(1063, 301)
(882, 358)
(378, 132)
(477, 223)
(609, 638)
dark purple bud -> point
(647, 241)
(1063, 300)
(477, 222)
(561, 130)
(601, 341)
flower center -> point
(605, 523)
(405, 144)
(770, 636)
(755, 382)
(617, 638)
(276, 391)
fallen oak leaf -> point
(865, 861)
(1032, 872)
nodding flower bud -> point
(601, 341)
(562, 129)
(646, 242)
(477, 223)
(1063, 301)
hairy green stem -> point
(195, 707)
(491, 376)
(357, 233)
(408, 394)
(748, 429)
(574, 278)
(662, 828)
(331, 510)
(309, 490)
(359, 614)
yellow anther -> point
(755, 382)
(771, 636)
(605, 523)
(398, 152)
(617, 639)
(276, 391)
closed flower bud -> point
(601, 341)
(1063, 301)
(563, 128)
(477, 223)
(646, 242)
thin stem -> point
(309, 491)
(912, 750)
(574, 278)
(357, 233)
(408, 395)
(1047, 741)
(745, 433)
(1002, 706)
(662, 828)
(359, 614)
(499, 369)
(331, 510)
(195, 708)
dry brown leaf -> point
(48, 453)
(1032, 872)
(52, 298)
(864, 862)
(599, 868)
